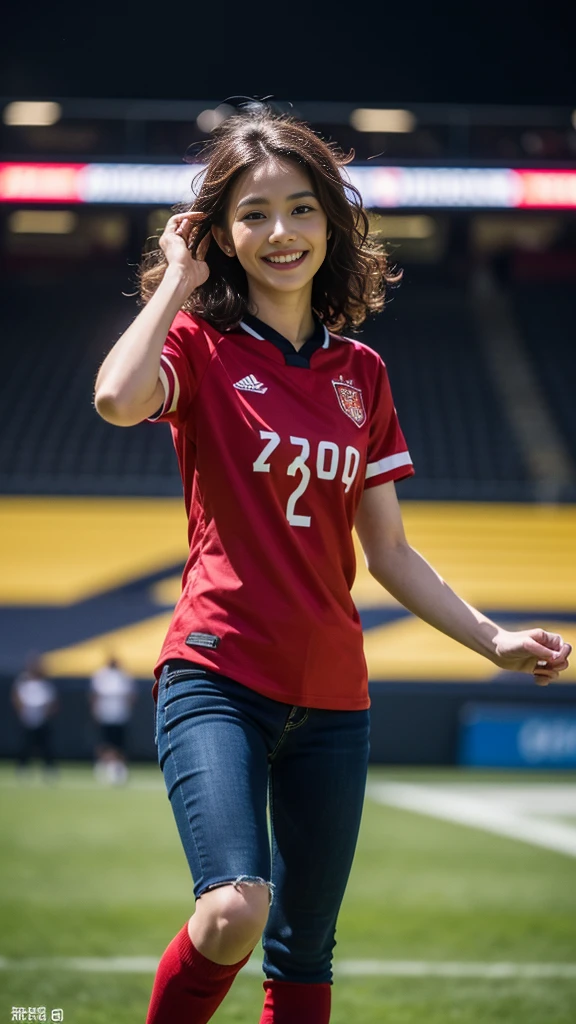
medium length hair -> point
(353, 278)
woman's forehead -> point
(275, 177)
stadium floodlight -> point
(372, 119)
(42, 222)
(208, 120)
(410, 227)
(27, 113)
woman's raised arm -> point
(128, 388)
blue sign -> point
(517, 736)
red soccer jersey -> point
(275, 448)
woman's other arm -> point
(128, 388)
(415, 584)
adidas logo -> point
(250, 383)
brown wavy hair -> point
(353, 278)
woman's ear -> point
(222, 240)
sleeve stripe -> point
(169, 389)
(176, 395)
(162, 376)
(390, 462)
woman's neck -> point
(290, 315)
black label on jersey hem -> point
(203, 640)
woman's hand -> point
(174, 242)
(128, 388)
(532, 650)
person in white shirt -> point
(112, 695)
(35, 702)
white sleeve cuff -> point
(385, 465)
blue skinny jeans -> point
(227, 753)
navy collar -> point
(301, 357)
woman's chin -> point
(282, 282)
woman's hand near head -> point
(174, 242)
(128, 388)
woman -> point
(286, 437)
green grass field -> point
(92, 872)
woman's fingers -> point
(177, 225)
(550, 651)
(184, 221)
(175, 244)
(183, 228)
(552, 654)
(544, 675)
(181, 224)
(549, 646)
(541, 639)
(560, 666)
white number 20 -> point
(327, 461)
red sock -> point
(287, 1002)
(188, 988)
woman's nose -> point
(281, 231)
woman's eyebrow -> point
(260, 200)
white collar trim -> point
(250, 330)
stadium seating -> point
(457, 432)
(53, 442)
(546, 313)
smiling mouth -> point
(286, 262)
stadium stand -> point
(457, 431)
(546, 314)
(54, 443)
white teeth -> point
(284, 259)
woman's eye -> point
(258, 215)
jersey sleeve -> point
(388, 456)
(184, 358)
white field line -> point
(546, 798)
(350, 968)
(483, 807)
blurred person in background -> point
(287, 437)
(35, 702)
(111, 695)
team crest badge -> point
(350, 400)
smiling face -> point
(276, 227)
